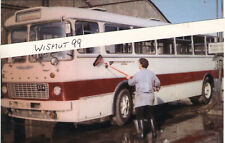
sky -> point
(179, 11)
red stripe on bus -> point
(176, 78)
(77, 89)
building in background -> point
(137, 8)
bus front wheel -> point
(123, 107)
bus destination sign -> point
(216, 48)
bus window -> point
(199, 45)
(19, 35)
(49, 31)
(183, 45)
(83, 28)
(4, 60)
(125, 48)
(110, 48)
(145, 47)
(62, 56)
(166, 47)
(210, 40)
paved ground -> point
(178, 122)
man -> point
(145, 82)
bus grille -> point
(28, 90)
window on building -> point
(183, 45)
(83, 28)
(166, 46)
(199, 45)
(125, 48)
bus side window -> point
(110, 48)
(4, 60)
(68, 29)
(166, 47)
(199, 45)
(18, 35)
(210, 40)
(145, 47)
(83, 28)
(183, 45)
(125, 48)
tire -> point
(207, 90)
(123, 107)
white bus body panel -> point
(85, 109)
(95, 107)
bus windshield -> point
(47, 31)
(50, 31)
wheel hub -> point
(207, 90)
(124, 106)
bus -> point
(65, 86)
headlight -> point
(4, 89)
(57, 90)
(54, 61)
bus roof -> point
(42, 14)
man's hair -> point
(143, 62)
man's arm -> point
(156, 81)
(131, 80)
(156, 84)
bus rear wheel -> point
(123, 107)
(207, 89)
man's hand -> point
(156, 89)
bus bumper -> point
(58, 111)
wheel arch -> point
(211, 79)
(120, 86)
(201, 99)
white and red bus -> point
(66, 87)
